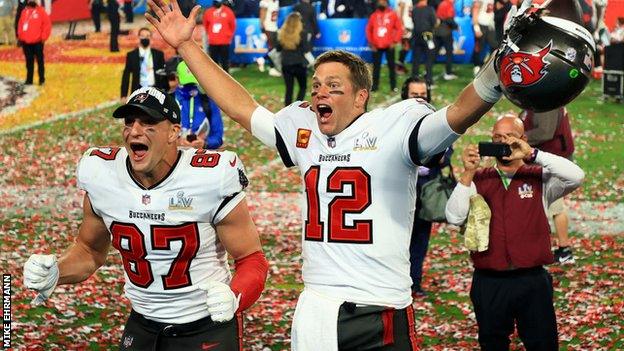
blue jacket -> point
(197, 109)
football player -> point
(359, 172)
(174, 215)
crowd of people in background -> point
(424, 29)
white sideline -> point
(59, 117)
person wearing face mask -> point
(175, 215)
(220, 25)
(33, 29)
(383, 32)
(142, 64)
(510, 285)
(358, 171)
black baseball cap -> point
(154, 102)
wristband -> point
(249, 278)
(486, 84)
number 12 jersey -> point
(360, 193)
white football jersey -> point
(486, 13)
(272, 11)
(406, 18)
(360, 193)
(166, 234)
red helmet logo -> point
(524, 68)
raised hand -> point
(171, 23)
(470, 158)
(520, 149)
(515, 13)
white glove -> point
(515, 13)
(41, 273)
(221, 301)
(486, 83)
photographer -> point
(510, 285)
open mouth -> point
(139, 150)
(324, 112)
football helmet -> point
(544, 62)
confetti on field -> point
(41, 209)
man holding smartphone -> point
(510, 285)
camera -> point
(487, 148)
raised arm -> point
(478, 97)
(475, 100)
(458, 204)
(441, 128)
(226, 92)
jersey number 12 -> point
(361, 231)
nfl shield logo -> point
(146, 199)
(344, 36)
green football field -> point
(41, 208)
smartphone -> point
(487, 148)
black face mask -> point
(503, 162)
(145, 42)
(217, 4)
(381, 7)
(31, 4)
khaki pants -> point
(7, 32)
(556, 207)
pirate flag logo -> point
(140, 97)
(524, 68)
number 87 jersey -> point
(165, 233)
(360, 193)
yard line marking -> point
(60, 117)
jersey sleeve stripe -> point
(283, 150)
(224, 205)
(413, 143)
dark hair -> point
(144, 28)
(360, 74)
(620, 20)
(410, 80)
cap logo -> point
(524, 68)
(148, 91)
(140, 98)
